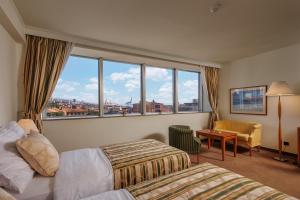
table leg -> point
(198, 154)
(223, 148)
(208, 142)
(235, 146)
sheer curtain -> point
(44, 61)
(211, 82)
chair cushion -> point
(240, 136)
(39, 153)
(241, 127)
(243, 137)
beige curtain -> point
(44, 61)
(211, 81)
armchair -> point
(248, 134)
(182, 138)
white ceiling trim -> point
(116, 48)
(12, 21)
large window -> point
(122, 88)
(92, 87)
(76, 92)
(159, 90)
(188, 91)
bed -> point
(90, 171)
(87, 172)
(205, 181)
(40, 188)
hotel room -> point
(146, 100)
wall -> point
(82, 133)
(280, 64)
(10, 54)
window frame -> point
(173, 91)
(102, 88)
(199, 91)
(143, 112)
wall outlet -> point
(285, 143)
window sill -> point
(115, 116)
(127, 115)
(69, 118)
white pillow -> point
(15, 173)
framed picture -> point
(249, 100)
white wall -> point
(82, 133)
(10, 54)
(280, 64)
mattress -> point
(40, 188)
(138, 161)
(87, 172)
(205, 182)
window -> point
(92, 87)
(76, 92)
(122, 88)
(188, 91)
(159, 90)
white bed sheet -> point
(112, 195)
(82, 173)
(40, 188)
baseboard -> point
(270, 150)
(283, 152)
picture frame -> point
(249, 100)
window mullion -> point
(101, 87)
(175, 91)
(143, 89)
(200, 99)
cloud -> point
(110, 93)
(67, 86)
(163, 95)
(166, 89)
(132, 73)
(132, 84)
(191, 84)
(93, 84)
(187, 91)
(131, 78)
(157, 74)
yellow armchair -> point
(248, 133)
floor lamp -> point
(278, 89)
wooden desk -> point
(223, 136)
(298, 152)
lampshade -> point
(279, 88)
(28, 125)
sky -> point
(79, 80)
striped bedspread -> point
(135, 162)
(205, 181)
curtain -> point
(44, 61)
(211, 82)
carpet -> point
(284, 177)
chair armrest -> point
(218, 124)
(198, 140)
(255, 135)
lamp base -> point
(281, 159)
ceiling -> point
(184, 28)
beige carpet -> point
(261, 167)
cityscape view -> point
(74, 108)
